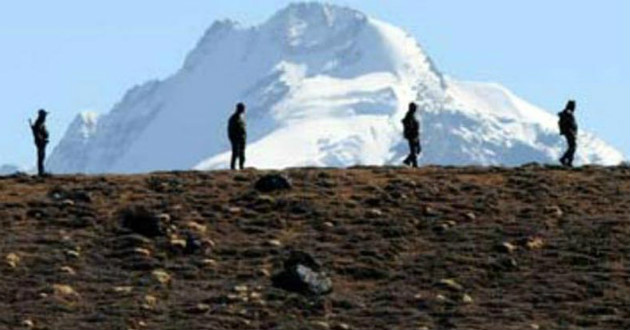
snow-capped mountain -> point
(324, 86)
(7, 169)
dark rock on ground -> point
(273, 182)
(142, 221)
(302, 274)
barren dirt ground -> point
(436, 248)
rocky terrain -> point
(534, 247)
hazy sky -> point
(73, 55)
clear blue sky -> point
(74, 55)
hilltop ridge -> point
(434, 248)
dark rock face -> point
(141, 221)
(302, 274)
(273, 182)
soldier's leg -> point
(563, 159)
(571, 151)
(242, 155)
(41, 155)
(416, 152)
(408, 160)
(413, 146)
(234, 155)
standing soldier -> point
(411, 132)
(238, 136)
(568, 128)
(40, 135)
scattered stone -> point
(231, 297)
(202, 308)
(177, 243)
(470, 216)
(28, 323)
(210, 243)
(265, 199)
(341, 326)
(68, 270)
(554, 210)
(164, 217)
(161, 276)
(122, 289)
(150, 302)
(320, 325)
(451, 284)
(64, 291)
(194, 226)
(273, 182)
(73, 254)
(234, 210)
(534, 326)
(210, 263)
(506, 247)
(240, 288)
(374, 213)
(274, 243)
(430, 212)
(12, 259)
(302, 274)
(67, 202)
(441, 228)
(535, 243)
(264, 272)
(329, 224)
(142, 251)
(467, 299)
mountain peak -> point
(317, 12)
(306, 26)
(324, 82)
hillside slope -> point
(434, 248)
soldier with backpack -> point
(40, 135)
(411, 132)
(568, 128)
(238, 136)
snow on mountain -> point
(7, 169)
(324, 86)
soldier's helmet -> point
(42, 112)
(240, 107)
(570, 105)
(413, 106)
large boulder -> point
(302, 274)
(144, 222)
(273, 182)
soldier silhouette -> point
(568, 128)
(237, 133)
(40, 135)
(411, 132)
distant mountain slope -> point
(326, 86)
